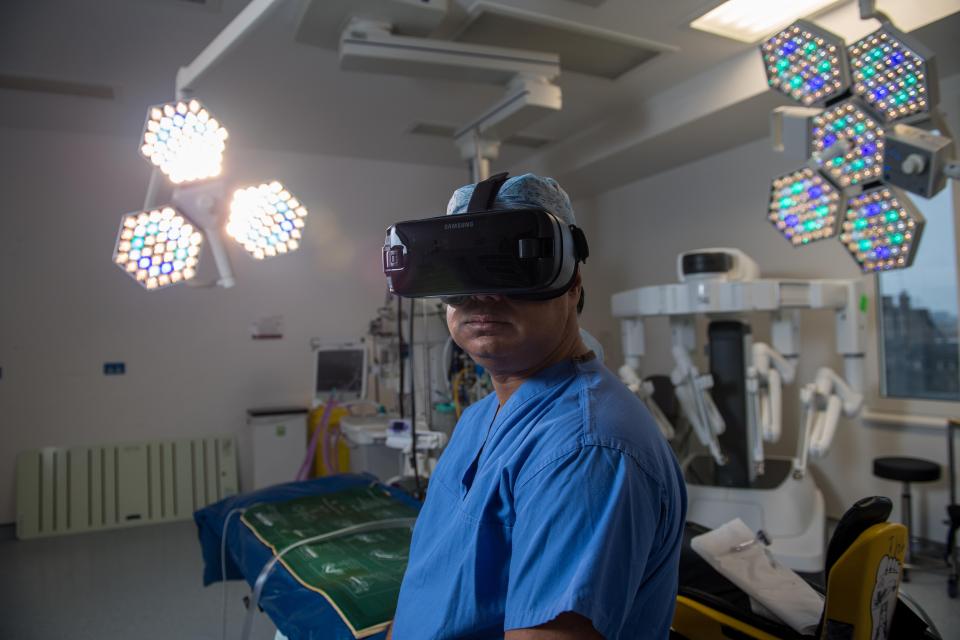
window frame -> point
(875, 402)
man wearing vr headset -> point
(557, 509)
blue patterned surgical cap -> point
(518, 192)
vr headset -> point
(528, 254)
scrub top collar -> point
(541, 381)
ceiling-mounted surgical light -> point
(804, 206)
(848, 144)
(806, 63)
(266, 219)
(158, 248)
(894, 74)
(184, 141)
(882, 229)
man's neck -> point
(506, 383)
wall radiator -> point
(69, 490)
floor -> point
(91, 586)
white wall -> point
(720, 201)
(192, 368)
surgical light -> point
(882, 229)
(806, 63)
(751, 20)
(266, 219)
(848, 144)
(184, 141)
(158, 248)
(893, 74)
(804, 206)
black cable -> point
(413, 402)
(401, 356)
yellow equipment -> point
(343, 452)
(863, 570)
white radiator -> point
(62, 491)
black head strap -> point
(486, 192)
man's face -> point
(511, 336)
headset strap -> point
(486, 192)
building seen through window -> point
(918, 313)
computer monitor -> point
(340, 369)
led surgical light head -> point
(158, 248)
(882, 229)
(848, 144)
(504, 237)
(806, 63)
(184, 141)
(804, 206)
(894, 75)
(267, 220)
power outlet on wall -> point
(114, 368)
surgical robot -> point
(735, 407)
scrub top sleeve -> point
(585, 526)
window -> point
(918, 312)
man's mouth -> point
(484, 320)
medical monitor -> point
(340, 369)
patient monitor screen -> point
(340, 371)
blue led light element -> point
(806, 63)
(847, 144)
(267, 220)
(893, 74)
(882, 229)
(158, 248)
(184, 141)
(804, 206)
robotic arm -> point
(644, 391)
(765, 378)
(772, 371)
(823, 401)
(693, 392)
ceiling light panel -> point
(806, 63)
(753, 20)
(158, 248)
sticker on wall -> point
(267, 328)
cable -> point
(400, 356)
(223, 565)
(377, 525)
(413, 403)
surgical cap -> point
(518, 192)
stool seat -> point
(905, 469)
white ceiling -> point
(274, 93)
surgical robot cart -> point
(735, 407)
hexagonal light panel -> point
(266, 219)
(184, 141)
(158, 248)
(806, 63)
(893, 74)
(881, 229)
(804, 206)
(847, 144)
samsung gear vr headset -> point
(527, 253)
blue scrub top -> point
(566, 499)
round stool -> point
(906, 470)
